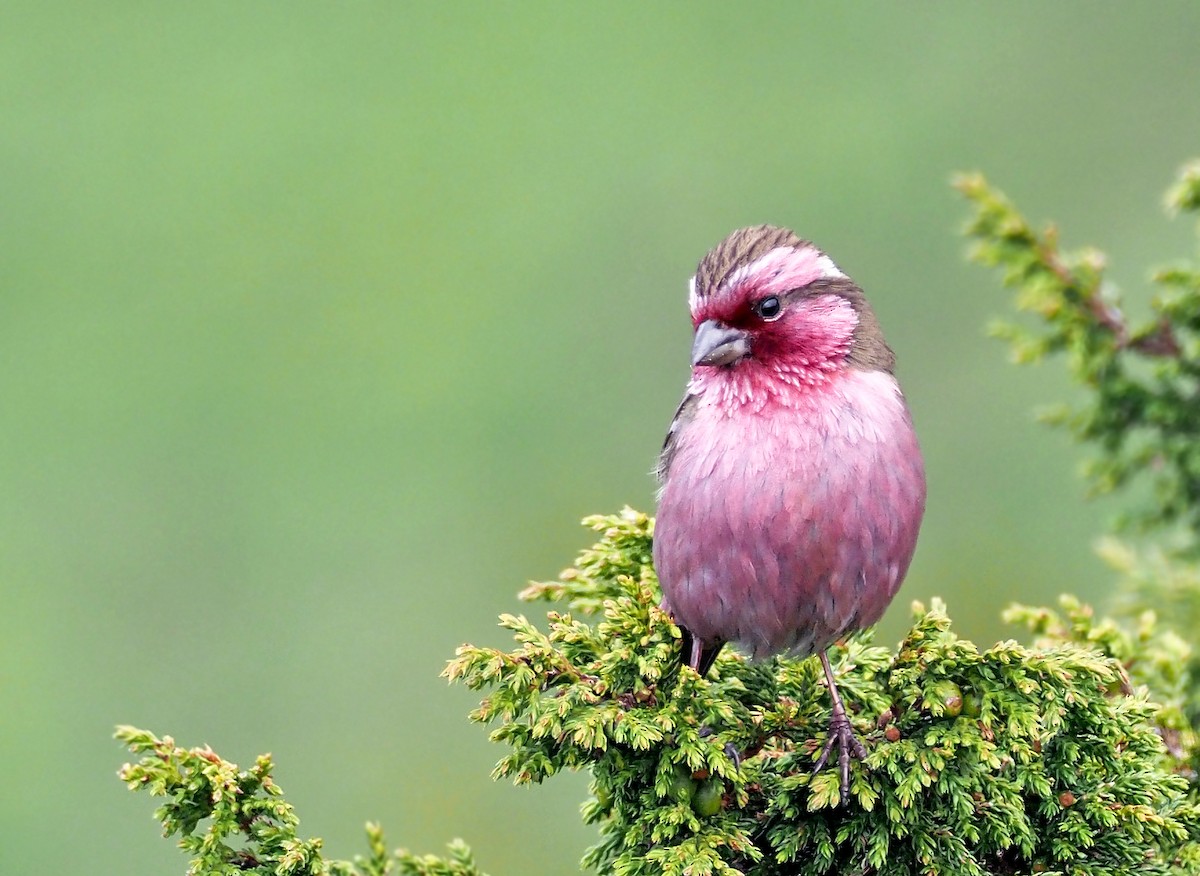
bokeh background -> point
(323, 324)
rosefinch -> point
(792, 484)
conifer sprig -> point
(1141, 408)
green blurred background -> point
(322, 324)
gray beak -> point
(718, 344)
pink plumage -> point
(792, 483)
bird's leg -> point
(840, 733)
(700, 658)
(694, 652)
(697, 654)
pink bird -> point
(792, 484)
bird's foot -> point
(842, 735)
(731, 750)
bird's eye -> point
(769, 308)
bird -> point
(792, 486)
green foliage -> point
(1009, 759)
(235, 821)
(1161, 594)
(1076, 755)
(1141, 379)
(1140, 410)
(1152, 660)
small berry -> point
(683, 786)
(950, 696)
(709, 797)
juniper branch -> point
(1143, 381)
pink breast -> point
(785, 528)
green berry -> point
(683, 786)
(950, 695)
(708, 799)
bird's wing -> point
(683, 414)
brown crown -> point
(739, 249)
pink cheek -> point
(777, 339)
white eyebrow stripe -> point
(785, 268)
(828, 268)
(693, 297)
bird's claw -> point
(731, 750)
(842, 735)
(734, 755)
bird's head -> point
(767, 299)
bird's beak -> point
(718, 344)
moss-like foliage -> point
(234, 821)
(1005, 760)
